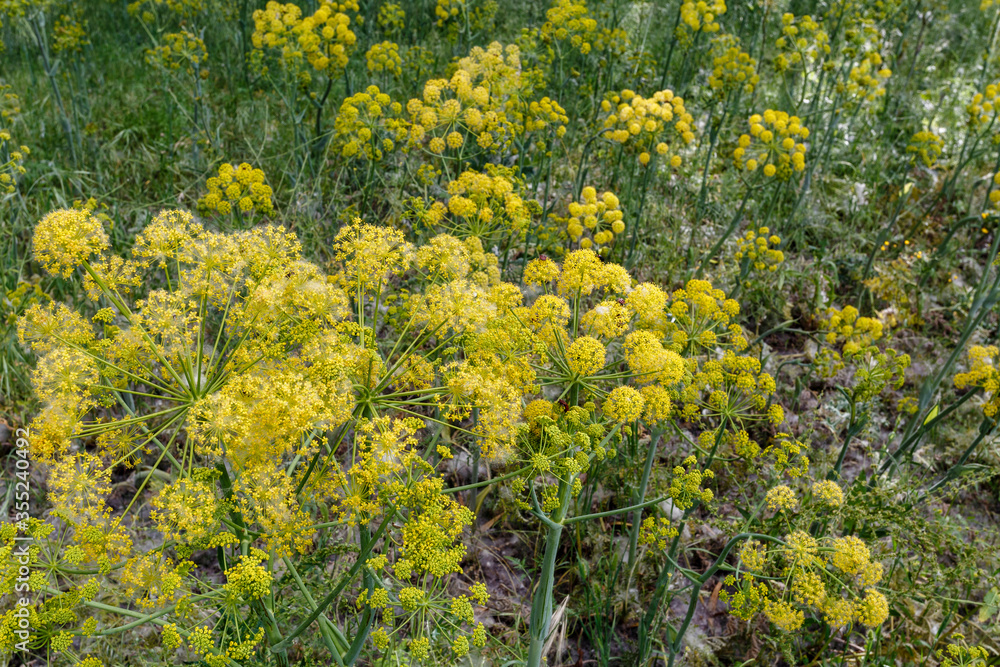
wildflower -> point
(540, 271)
(828, 493)
(624, 404)
(248, 579)
(66, 239)
(759, 248)
(585, 356)
(774, 143)
(781, 498)
(384, 57)
(927, 146)
(838, 612)
(850, 555)
(753, 555)
(656, 532)
(647, 126)
(238, 188)
(808, 587)
(784, 616)
(685, 487)
(873, 609)
(983, 373)
(732, 69)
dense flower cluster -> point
(180, 49)
(732, 69)
(803, 42)
(368, 125)
(644, 124)
(323, 40)
(698, 16)
(983, 373)
(569, 21)
(774, 145)
(384, 57)
(602, 217)
(238, 189)
(760, 248)
(927, 146)
(486, 205)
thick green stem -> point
(541, 605)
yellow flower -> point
(66, 239)
(784, 616)
(781, 497)
(828, 493)
(585, 356)
(624, 404)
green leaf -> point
(931, 415)
(991, 604)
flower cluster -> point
(601, 216)
(180, 49)
(467, 113)
(643, 124)
(927, 146)
(368, 125)
(732, 68)
(237, 189)
(984, 107)
(391, 18)
(69, 35)
(487, 206)
(760, 249)
(803, 41)
(698, 16)
(983, 374)
(323, 40)
(847, 328)
(774, 144)
(866, 80)
(569, 21)
(384, 57)
(833, 578)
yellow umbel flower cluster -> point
(803, 41)
(983, 373)
(956, 655)
(698, 16)
(384, 57)
(470, 105)
(760, 249)
(686, 485)
(237, 189)
(774, 144)
(602, 217)
(67, 238)
(831, 577)
(446, 10)
(391, 18)
(487, 205)
(642, 124)
(569, 21)
(866, 80)
(69, 35)
(846, 327)
(732, 68)
(11, 154)
(324, 40)
(927, 146)
(368, 125)
(984, 107)
(180, 49)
